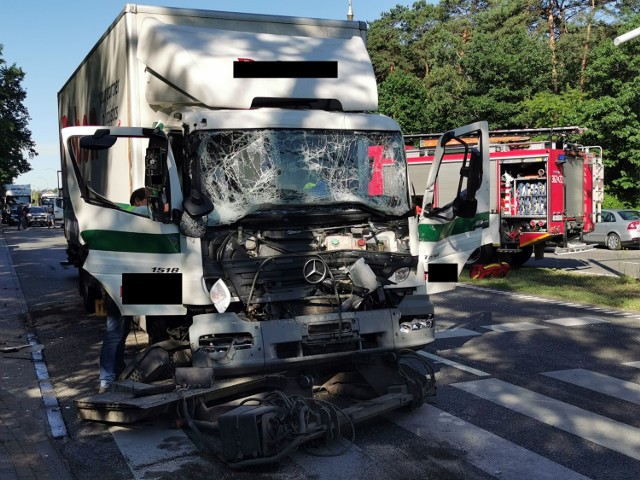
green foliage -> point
(400, 97)
(15, 137)
(546, 108)
(612, 202)
(517, 64)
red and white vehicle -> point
(541, 193)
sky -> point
(48, 40)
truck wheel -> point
(614, 242)
(482, 255)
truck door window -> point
(92, 161)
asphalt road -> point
(528, 388)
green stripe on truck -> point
(114, 241)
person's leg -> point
(120, 363)
(112, 352)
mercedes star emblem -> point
(314, 271)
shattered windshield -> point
(246, 171)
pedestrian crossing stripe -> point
(173, 448)
(575, 321)
(453, 364)
(456, 332)
(494, 455)
(514, 327)
(611, 434)
(613, 387)
(518, 326)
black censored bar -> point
(443, 272)
(285, 69)
(151, 288)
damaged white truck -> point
(279, 251)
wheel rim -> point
(613, 242)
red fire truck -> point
(543, 194)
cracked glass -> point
(246, 171)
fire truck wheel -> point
(613, 242)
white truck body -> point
(16, 194)
(311, 251)
(54, 204)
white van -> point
(54, 205)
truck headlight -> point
(420, 323)
(402, 274)
(220, 296)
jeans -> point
(112, 352)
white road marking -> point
(590, 426)
(513, 327)
(485, 450)
(456, 332)
(614, 387)
(353, 463)
(451, 363)
(632, 364)
(574, 321)
(156, 447)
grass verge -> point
(616, 292)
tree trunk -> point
(552, 47)
(583, 66)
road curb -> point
(31, 425)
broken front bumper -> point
(235, 346)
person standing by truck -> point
(139, 201)
(118, 326)
(112, 351)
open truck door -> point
(454, 219)
(133, 253)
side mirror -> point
(197, 204)
(465, 208)
(100, 140)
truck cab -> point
(280, 231)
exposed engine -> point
(284, 273)
(307, 292)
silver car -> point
(617, 229)
(39, 216)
